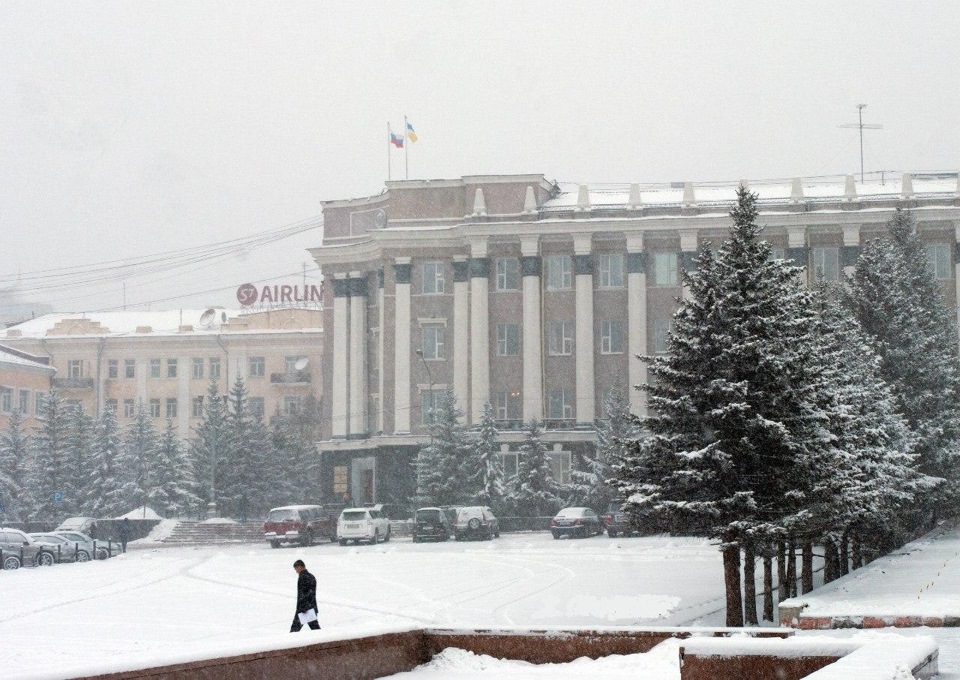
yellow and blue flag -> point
(411, 135)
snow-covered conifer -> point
(138, 459)
(104, 490)
(441, 477)
(489, 475)
(537, 493)
(49, 468)
(14, 459)
(207, 450)
(80, 456)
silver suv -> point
(476, 522)
(17, 550)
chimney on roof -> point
(529, 201)
(479, 203)
(689, 196)
(634, 201)
(796, 192)
(850, 189)
(144, 329)
(583, 198)
(907, 182)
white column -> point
(358, 355)
(184, 407)
(688, 251)
(461, 333)
(401, 359)
(586, 388)
(383, 332)
(532, 336)
(636, 323)
(338, 413)
(479, 329)
(851, 248)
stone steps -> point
(199, 533)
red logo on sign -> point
(247, 294)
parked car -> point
(580, 522)
(85, 525)
(63, 549)
(476, 521)
(363, 524)
(101, 550)
(299, 524)
(14, 545)
(617, 522)
(431, 524)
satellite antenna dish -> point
(302, 363)
(207, 318)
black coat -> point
(306, 592)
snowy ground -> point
(154, 604)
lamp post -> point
(212, 506)
(419, 353)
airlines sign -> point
(248, 294)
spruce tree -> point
(50, 469)
(207, 451)
(239, 488)
(80, 454)
(138, 460)
(897, 301)
(592, 483)
(105, 483)
(537, 494)
(736, 427)
(441, 475)
(14, 459)
(488, 477)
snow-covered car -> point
(580, 522)
(298, 524)
(17, 549)
(101, 550)
(85, 525)
(617, 522)
(431, 524)
(363, 524)
(62, 549)
(475, 521)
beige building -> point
(535, 297)
(24, 380)
(167, 359)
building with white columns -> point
(537, 297)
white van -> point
(363, 524)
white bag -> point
(307, 616)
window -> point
(291, 364)
(428, 401)
(129, 368)
(508, 273)
(340, 480)
(432, 278)
(113, 369)
(560, 466)
(508, 405)
(665, 270)
(197, 368)
(510, 464)
(111, 406)
(171, 368)
(778, 253)
(826, 263)
(171, 408)
(6, 399)
(196, 407)
(611, 270)
(75, 368)
(40, 404)
(559, 272)
(560, 338)
(938, 256)
(508, 339)
(154, 368)
(154, 408)
(291, 405)
(214, 368)
(257, 367)
(661, 336)
(561, 404)
(25, 402)
(256, 406)
(611, 337)
(128, 409)
(433, 342)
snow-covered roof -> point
(10, 358)
(876, 186)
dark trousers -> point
(296, 626)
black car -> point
(579, 522)
(431, 524)
(617, 522)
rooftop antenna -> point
(862, 126)
(206, 319)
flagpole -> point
(388, 151)
(406, 151)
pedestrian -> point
(306, 599)
(124, 533)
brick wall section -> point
(753, 667)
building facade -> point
(166, 360)
(24, 379)
(536, 298)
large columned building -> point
(535, 298)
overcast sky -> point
(130, 128)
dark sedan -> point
(579, 522)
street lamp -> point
(419, 353)
(212, 506)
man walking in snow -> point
(306, 599)
(124, 533)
